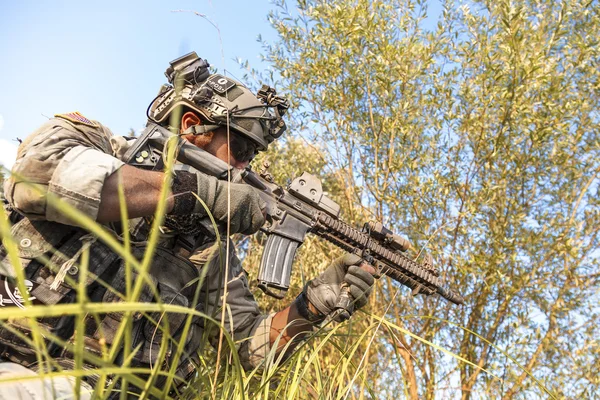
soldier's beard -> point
(200, 140)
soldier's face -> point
(237, 151)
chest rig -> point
(50, 254)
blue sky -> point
(107, 59)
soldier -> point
(77, 160)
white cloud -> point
(8, 152)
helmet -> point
(220, 100)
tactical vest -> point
(50, 253)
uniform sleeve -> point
(249, 327)
(64, 161)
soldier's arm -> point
(288, 325)
(142, 193)
(73, 161)
(256, 332)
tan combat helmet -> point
(221, 101)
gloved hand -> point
(324, 292)
(246, 215)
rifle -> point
(291, 214)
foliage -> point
(477, 138)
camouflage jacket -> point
(69, 157)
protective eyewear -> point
(241, 148)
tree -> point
(479, 139)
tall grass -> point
(219, 373)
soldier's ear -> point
(189, 119)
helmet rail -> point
(220, 100)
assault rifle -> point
(293, 212)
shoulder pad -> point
(77, 118)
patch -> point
(77, 118)
(10, 295)
(219, 83)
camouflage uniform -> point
(70, 157)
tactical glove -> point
(246, 215)
(324, 292)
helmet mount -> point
(220, 100)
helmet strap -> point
(200, 129)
